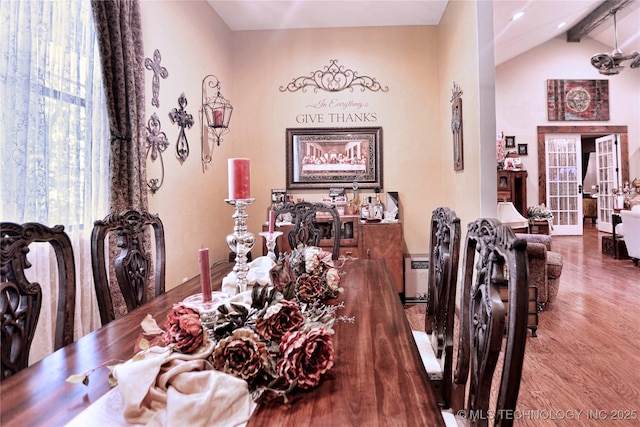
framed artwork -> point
(278, 198)
(334, 157)
(510, 142)
(577, 100)
(510, 164)
(456, 129)
(523, 150)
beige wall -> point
(462, 60)
(418, 64)
(409, 112)
(193, 42)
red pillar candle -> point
(205, 274)
(272, 220)
(217, 118)
(239, 171)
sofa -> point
(545, 267)
(630, 231)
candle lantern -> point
(216, 111)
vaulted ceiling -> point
(512, 37)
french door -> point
(608, 175)
(563, 155)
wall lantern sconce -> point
(216, 114)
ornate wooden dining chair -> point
(21, 300)
(493, 257)
(133, 266)
(436, 344)
(308, 229)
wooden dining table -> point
(377, 379)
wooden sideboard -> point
(384, 241)
(512, 187)
(358, 239)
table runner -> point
(219, 399)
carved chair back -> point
(444, 251)
(21, 300)
(493, 258)
(307, 230)
(133, 265)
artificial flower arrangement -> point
(282, 340)
(539, 212)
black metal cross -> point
(184, 120)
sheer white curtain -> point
(53, 141)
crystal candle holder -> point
(270, 240)
(241, 241)
(208, 310)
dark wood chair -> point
(133, 265)
(493, 257)
(436, 344)
(309, 229)
(21, 300)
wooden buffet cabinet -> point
(368, 240)
(512, 187)
(384, 241)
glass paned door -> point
(564, 182)
(607, 156)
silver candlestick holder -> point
(270, 241)
(241, 241)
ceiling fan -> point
(609, 63)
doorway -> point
(583, 131)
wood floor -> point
(583, 369)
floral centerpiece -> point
(284, 338)
(500, 153)
(539, 213)
(280, 340)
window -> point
(53, 137)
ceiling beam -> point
(594, 19)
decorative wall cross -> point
(184, 120)
(156, 144)
(158, 72)
(456, 127)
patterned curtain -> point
(53, 156)
(120, 39)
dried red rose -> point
(279, 319)
(241, 354)
(306, 356)
(309, 287)
(183, 329)
(282, 275)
